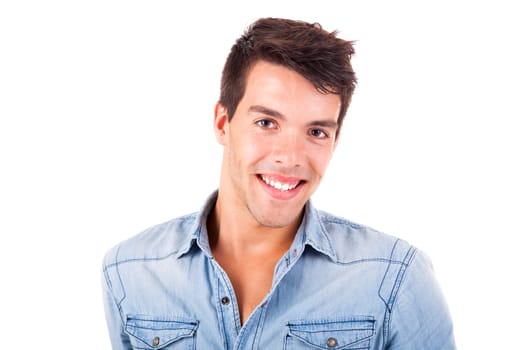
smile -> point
(280, 185)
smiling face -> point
(277, 146)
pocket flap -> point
(333, 334)
(156, 332)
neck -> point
(240, 234)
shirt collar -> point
(311, 232)
(197, 232)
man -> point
(259, 267)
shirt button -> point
(156, 341)
(331, 342)
(225, 300)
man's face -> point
(277, 146)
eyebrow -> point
(266, 110)
(325, 123)
(276, 114)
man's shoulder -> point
(156, 242)
(352, 241)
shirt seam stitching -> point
(409, 256)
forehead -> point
(282, 89)
(264, 72)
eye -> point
(266, 124)
(319, 134)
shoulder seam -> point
(409, 256)
(125, 261)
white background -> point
(106, 129)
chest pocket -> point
(340, 334)
(149, 332)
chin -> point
(278, 218)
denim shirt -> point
(340, 286)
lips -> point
(282, 187)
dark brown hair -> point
(319, 56)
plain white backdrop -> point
(106, 112)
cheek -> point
(320, 160)
(248, 150)
(257, 144)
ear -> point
(220, 123)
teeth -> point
(279, 186)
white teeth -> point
(279, 186)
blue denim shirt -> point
(339, 286)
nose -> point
(289, 149)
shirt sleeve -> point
(119, 339)
(420, 317)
